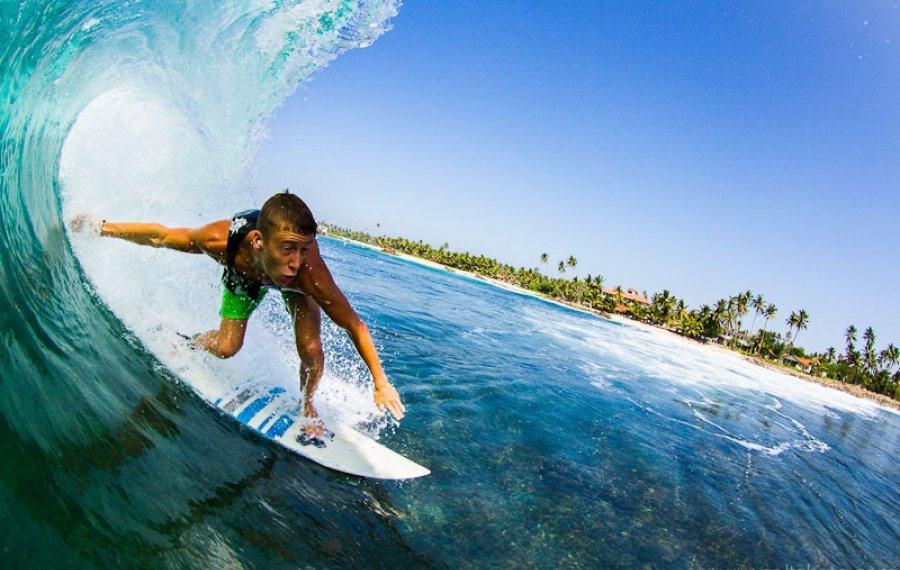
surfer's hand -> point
(85, 224)
(386, 397)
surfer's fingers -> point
(399, 408)
(396, 409)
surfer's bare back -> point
(274, 247)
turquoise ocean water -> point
(556, 439)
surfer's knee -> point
(228, 347)
(229, 338)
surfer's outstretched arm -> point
(210, 239)
(190, 240)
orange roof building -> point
(630, 294)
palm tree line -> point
(721, 322)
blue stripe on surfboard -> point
(279, 427)
(257, 405)
(262, 426)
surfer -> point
(271, 248)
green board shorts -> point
(241, 306)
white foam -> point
(133, 156)
(687, 364)
(729, 398)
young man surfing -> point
(271, 248)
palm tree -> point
(743, 300)
(890, 357)
(769, 314)
(572, 262)
(544, 258)
(802, 323)
(850, 335)
(791, 322)
(800, 320)
(720, 315)
(663, 303)
(619, 296)
(562, 267)
(690, 324)
(869, 337)
(709, 324)
(731, 316)
(759, 305)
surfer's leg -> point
(307, 318)
(228, 339)
(225, 341)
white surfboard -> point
(274, 414)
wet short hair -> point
(286, 212)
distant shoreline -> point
(851, 389)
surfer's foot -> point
(315, 427)
(85, 224)
(314, 432)
(321, 441)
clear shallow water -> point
(555, 438)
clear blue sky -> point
(704, 148)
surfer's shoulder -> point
(212, 238)
(315, 278)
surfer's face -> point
(283, 254)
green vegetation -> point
(721, 322)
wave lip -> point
(137, 109)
